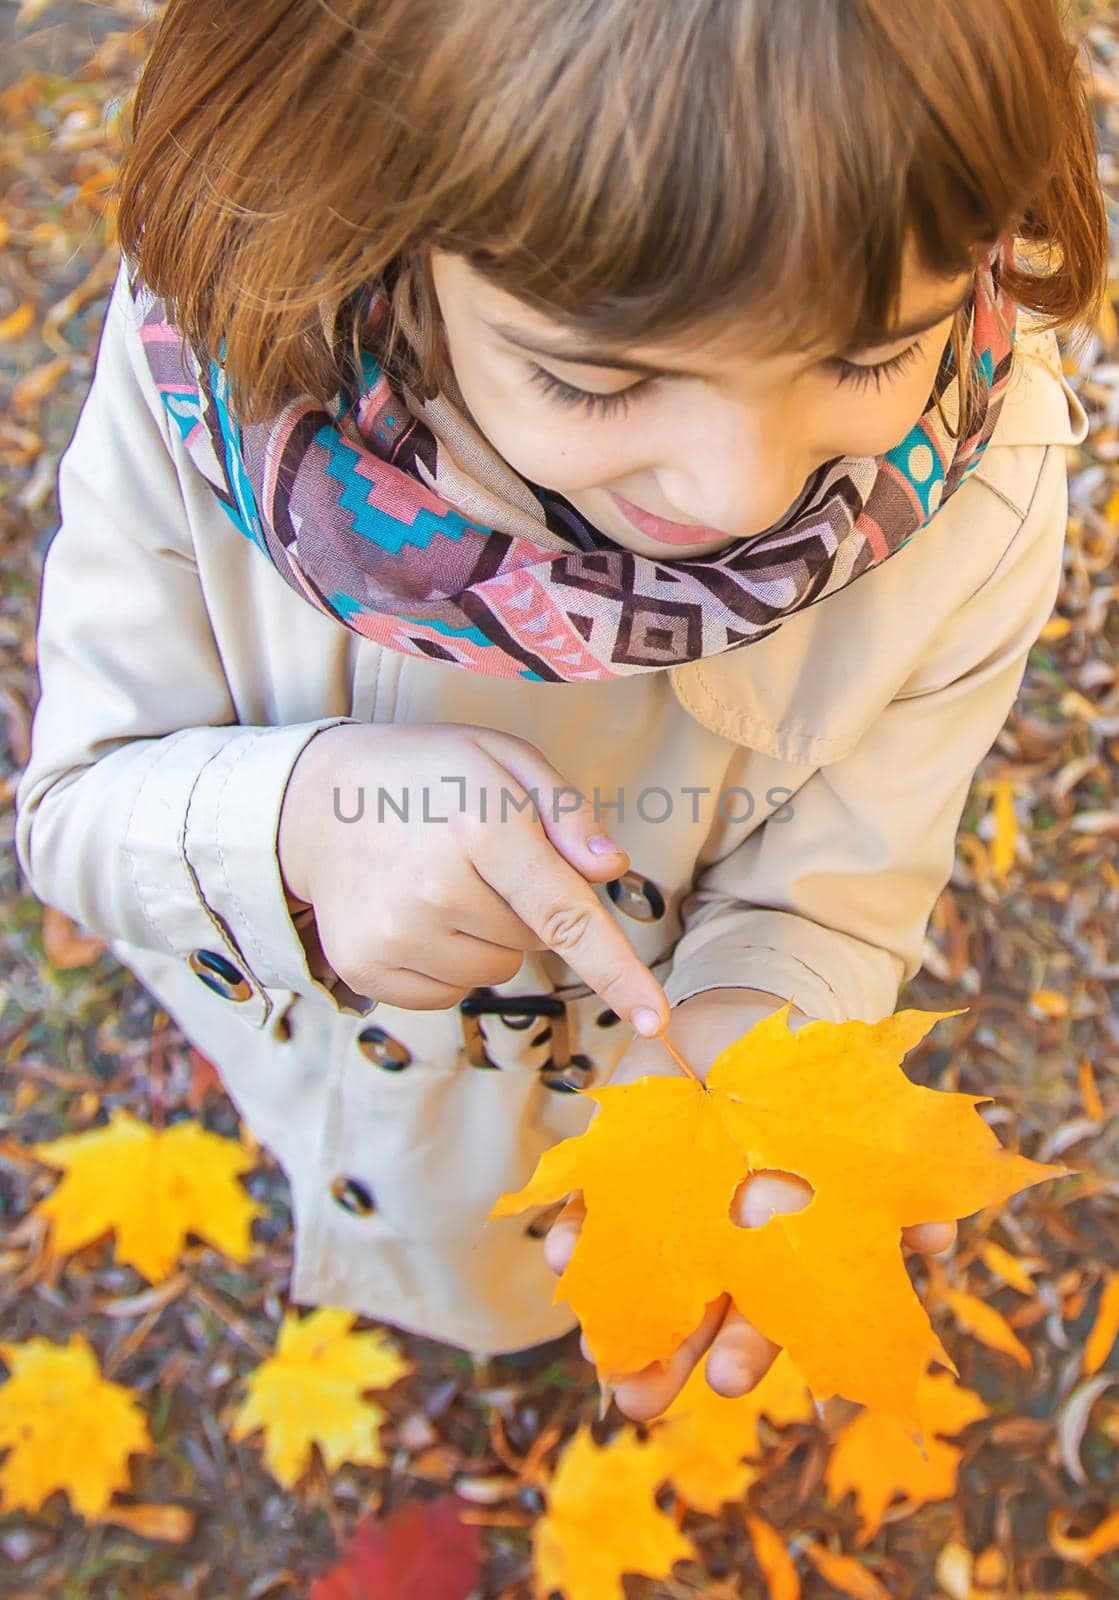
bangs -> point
(776, 186)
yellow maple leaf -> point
(661, 1161)
(602, 1519)
(1004, 843)
(65, 1426)
(876, 1458)
(151, 1187)
(704, 1435)
(310, 1391)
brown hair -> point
(636, 170)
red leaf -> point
(204, 1081)
(421, 1552)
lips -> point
(660, 529)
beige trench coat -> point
(814, 784)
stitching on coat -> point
(162, 751)
(813, 748)
(248, 745)
(796, 960)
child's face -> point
(718, 451)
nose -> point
(740, 474)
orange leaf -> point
(772, 1555)
(64, 945)
(847, 1574)
(1049, 1002)
(32, 389)
(1009, 1268)
(1089, 1093)
(1099, 1342)
(17, 322)
(989, 1326)
(660, 1164)
(1103, 1538)
(172, 1524)
(876, 1458)
(602, 1519)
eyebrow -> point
(525, 341)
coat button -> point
(636, 897)
(383, 1050)
(565, 1080)
(220, 975)
(353, 1196)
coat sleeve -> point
(146, 812)
(827, 903)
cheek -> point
(870, 424)
(540, 440)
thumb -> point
(566, 815)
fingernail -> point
(646, 1022)
(600, 845)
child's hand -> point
(417, 912)
(738, 1355)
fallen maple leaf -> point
(875, 1457)
(845, 1573)
(1103, 1538)
(310, 1391)
(984, 1322)
(772, 1555)
(66, 1427)
(602, 1519)
(704, 1435)
(205, 1081)
(151, 1187)
(659, 1166)
(64, 944)
(169, 1523)
(422, 1551)
(1106, 1326)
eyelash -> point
(617, 404)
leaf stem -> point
(676, 1056)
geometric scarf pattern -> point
(398, 519)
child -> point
(561, 512)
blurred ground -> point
(1035, 957)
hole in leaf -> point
(767, 1192)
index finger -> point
(559, 905)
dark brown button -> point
(353, 1196)
(577, 1074)
(383, 1050)
(220, 975)
(636, 897)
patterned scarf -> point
(398, 518)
